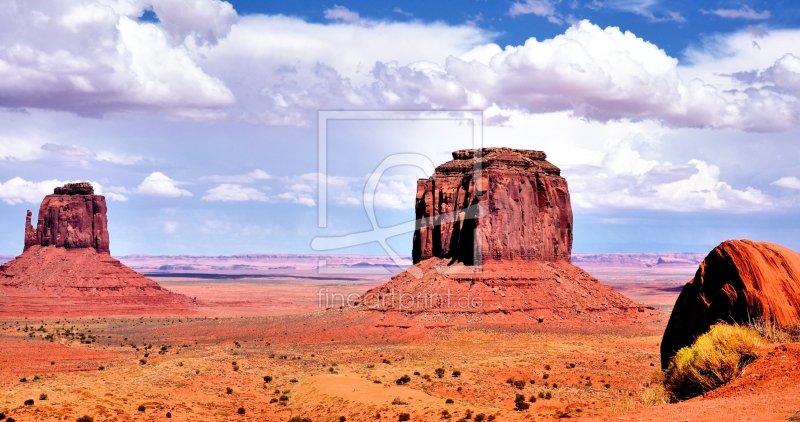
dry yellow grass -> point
(715, 358)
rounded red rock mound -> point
(738, 282)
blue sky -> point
(675, 123)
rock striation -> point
(738, 282)
(494, 236)
(494, 204)
(66, 267)
(73, 217)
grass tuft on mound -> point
(714, 359)
(775, 333)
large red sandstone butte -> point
(738, 282)
(494, 204)
(66, 268)
(494, 234)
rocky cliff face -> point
(73, 217)
(509, 211)
(66, 268)
(494, 204)
(739, 281)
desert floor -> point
(332, 363)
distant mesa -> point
(738, 282)
(494, 235)
(66, 267)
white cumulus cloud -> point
(537, 7)
(624, 179)
(234, 192)
(342, 13)
(250, 177)
(18, 190)
(93, 58)
(159, 184)
(790, 182)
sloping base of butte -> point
(51, 281)
(545, 291)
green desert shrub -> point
(449, 401)
(404, 417)
(519, 403)
(29, 402)
(405, 379)
(520, 384)
(85, 418)
(456, 373)
(267, 378)
(439, 372)
(299, 419)
(240, 411)
(715, 358)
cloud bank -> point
(203, 61)
(93, 58)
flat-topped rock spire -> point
(494, 204)
(73, 217)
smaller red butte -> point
(73, 217)
(66, 268)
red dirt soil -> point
(767, 391)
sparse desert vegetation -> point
(715, 358)
(462, 375)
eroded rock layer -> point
(547, 290)
(494, 236)
(73, 217)
(738, 282)
(494, 204)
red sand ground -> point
(189, 379)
